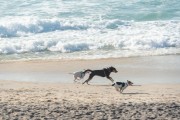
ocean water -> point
(88, 29)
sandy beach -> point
(23, 100)
(43, 43)
(57, 97)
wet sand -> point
(152, 69)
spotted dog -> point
(120, 86)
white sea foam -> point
(114, 38)
(24, 26)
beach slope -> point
(28, 100)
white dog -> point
(78, 75)
(120, 86)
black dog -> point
(103, 73)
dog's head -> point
(112, 69)
(129, 82)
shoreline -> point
(141, 70)
(77, 59)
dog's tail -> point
(88, 70)
(113, 84)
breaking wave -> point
(33, 35)
(24, 26)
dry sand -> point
(157, 98)
(27, 100)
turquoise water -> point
(71, 29)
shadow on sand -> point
(99, 85)
(136, 93)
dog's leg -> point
(75, 80)
(120, 90)
(75, 77)
(110, 78)
(87, 81)
(80, 81)
(90, 77)
(117, 89)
